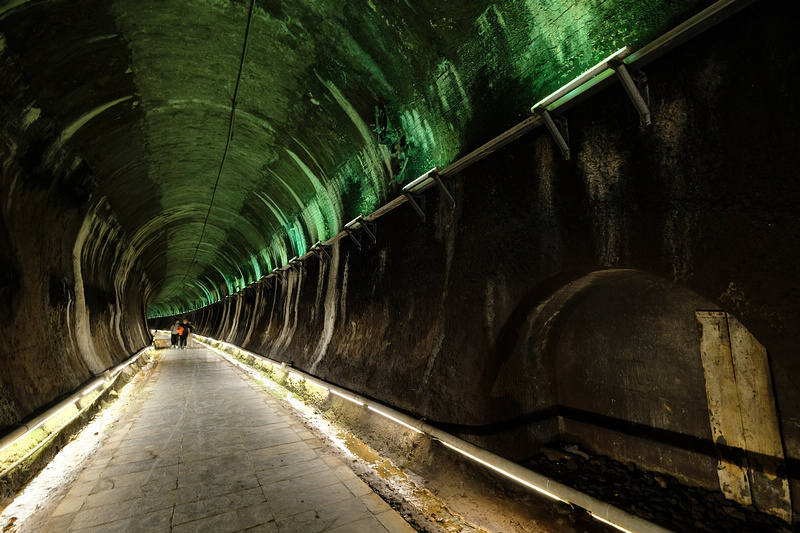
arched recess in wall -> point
(646, 371)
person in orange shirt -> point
(183, 330)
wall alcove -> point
(646, 371)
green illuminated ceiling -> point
(338, 102)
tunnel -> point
(523, 222)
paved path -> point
(205, 449)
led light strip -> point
(25, 429)
(583, 78)
(508, 474)
(612, 524)
(395, 419)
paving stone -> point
(135, 456)
(296, 503)
(365, 525)
(394, 523)
(69, 505)
(291, 470)
(129, 467)
(204, 450)
(342, 471)
(203, 443)
(306, 435)
(281, 455)
(299, 484)
(236, 520)
(59, 524)
(155, 522)
(200, 454)
(274, 431)
(212, 487)
(139, 478)
(91, 474)
(269, 439)
(325, 517)
(218, 505)
(81, 489)
(152, 487)
(358, 487)
(374, 503)
(217, 468)
(115, 511)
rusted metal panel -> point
(768, 477)
(743, 417)
(723, 406)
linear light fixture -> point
(612, 524)
(337, 393)
(409, 186)
(583, 78)
(500, 470)
(390, 417)
(42, 419)
(352, 223)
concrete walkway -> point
(205, 449)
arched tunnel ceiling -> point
(213, 176)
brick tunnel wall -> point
(463, 319)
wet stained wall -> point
(130, 186)
(558, 298)
(71, 299)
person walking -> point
(175, 338)
(185, 328)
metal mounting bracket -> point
(412, 199)
(371, 228)
(635, 84)
(321, 251)
(296, 264)
(559, 132)
(438, 180)
(367, 225)
(417, 199)
(360, 223)
(353, 234)
(369, 231)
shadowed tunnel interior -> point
(169, 159)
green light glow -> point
(357, 105)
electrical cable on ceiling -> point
(228, 139)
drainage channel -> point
(427, 503)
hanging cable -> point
(228, 139)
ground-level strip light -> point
(612, 524)
(66, 404)
(508, 474)
(390, 417)
(346, 397)
(36, 423)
